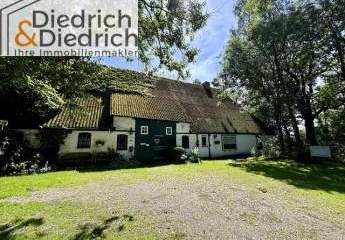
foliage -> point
(38, 85)
(271, 149)
(331, 127)
(192, 157)
(51, 140)
(100, 142)
(176, 154)
(102, 160)
(287, 63)
(18, 159)
(339, 153)
(166, 30)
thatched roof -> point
(137, 95)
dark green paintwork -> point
(159, 143)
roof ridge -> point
(155, 76)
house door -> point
(159, 148)
(153, 143)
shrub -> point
(192, 157)
(339, 153)
(51, 140)
(254, 152)
(109, 159)
(17, 158)
(271, 149)
(176, 154)
(100, 143)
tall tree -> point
(289, 61)
(36, 85)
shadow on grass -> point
(326, 176)
(8, 231)
(90, 231)
(123, 166)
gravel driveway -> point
(207, 208)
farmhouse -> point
(150, 116)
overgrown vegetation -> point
(50, 141)
(38, 86)
(285, 64)
(17, 158)
(192, 157)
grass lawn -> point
(316, 188)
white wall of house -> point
(244, 142)
(109, 138)
(182, 127)
(124, 124)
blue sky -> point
(211, 41)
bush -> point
(100, 143)
(255, 152)
(51, 140)
(176, 154)
(17, 158)
(339, 153)
(192, 157)
(110, 159)
(271, 149)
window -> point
(144, 130)
(185, 142)
(84, 140)
(204, 141)
(122, 143)
(169, 131)
(229, 142)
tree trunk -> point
(295, 127)
(309, 126)
(281, 138)
(287, 136)
(279, 127)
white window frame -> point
(169, 131)
(223, 143)
(144, 130)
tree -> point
(285, 57)
(166, 29)
(31, 89)
(37, 86)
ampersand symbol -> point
(30, 40)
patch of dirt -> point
(205, 208)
